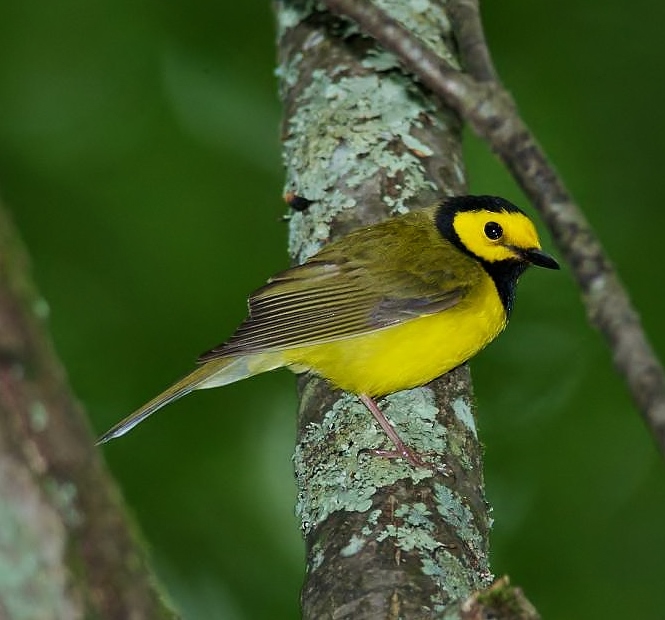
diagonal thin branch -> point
(489, 110)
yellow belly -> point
(411, 353)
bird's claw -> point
(409, 455)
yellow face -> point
(496, 236)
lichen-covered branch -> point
(500, 601)
(362, 140)
(67, 549)
(490, 111)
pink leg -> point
(402, 450)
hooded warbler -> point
(386, 308)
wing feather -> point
(373, 282)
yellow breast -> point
(411, 353)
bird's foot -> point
(411, 456)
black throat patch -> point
(505, 274)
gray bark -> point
(362, 140)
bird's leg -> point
(401, 449)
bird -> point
(388, 307)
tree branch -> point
(362, 140)
(490, 111)
(67, 544)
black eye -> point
(493, 231)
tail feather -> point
(214, 373)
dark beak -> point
(540, 258)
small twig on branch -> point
(476, 59)
(501, 601)
(489, 110)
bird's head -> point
(493, 230)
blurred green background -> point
(139, 155)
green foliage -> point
(139, 154)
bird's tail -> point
(220, 371)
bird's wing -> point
(322, 302)
(374, 278)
